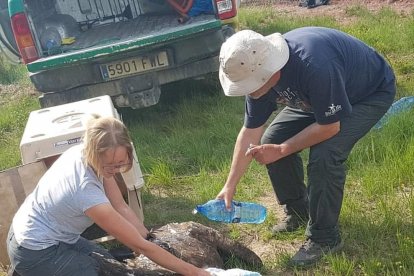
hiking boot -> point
(311, 252)
(290, 223)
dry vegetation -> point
(335, 8)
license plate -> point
(134, 65)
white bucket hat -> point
(248, 60)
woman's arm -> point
(116, 225)
(117, 201)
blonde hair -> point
(101, 135)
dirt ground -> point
(13, 91)
(336, 8)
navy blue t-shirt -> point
(327, 72)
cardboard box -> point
(15, 184)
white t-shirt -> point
(55, 211)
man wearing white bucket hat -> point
(334, 89)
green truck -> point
(127, 49)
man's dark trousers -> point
(326, 170)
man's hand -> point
(227, 195)
(265, 154)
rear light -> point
(226, 8)
(24, 38)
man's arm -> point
(117, 201)
(311, 135)
(240, 161)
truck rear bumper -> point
(137, 91)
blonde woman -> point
(44, 238)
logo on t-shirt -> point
(333, 109)
(291, 98)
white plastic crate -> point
(51, 131)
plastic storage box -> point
(51, 131)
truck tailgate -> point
(107, 40)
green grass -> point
(10, 73)
(13, 118)
(267, 21)
(185, 143)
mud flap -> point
(145, 98)
(146, 94)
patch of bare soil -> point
(13, 92)
(270, 249)
(335, 8)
